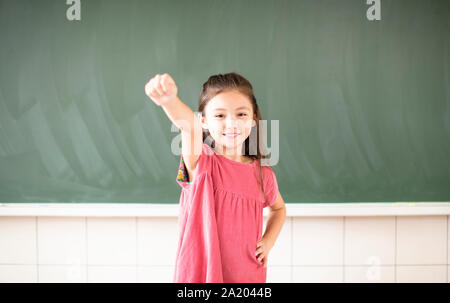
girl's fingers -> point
(152, 95)
(163, 83)
(261, 256)
(148, 88)
(159, 89)
(265, 261)
(158, 85)
(152, 86)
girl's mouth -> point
(231, 135)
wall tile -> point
(369, 241)
(111, 241)
(422, 274)
(62, 274)
(62, 240)
(18, 273)
(155, 274)
(279, 274)
(157, 241)
(318, 241)
(18, 240)
(115, 246)
(281, 252)
(421, 240)
(369, 274)
(111, 274)
(317, 274)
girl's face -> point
(229, 119)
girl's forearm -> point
(274, 225)
(180, 114)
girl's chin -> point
(230, 142)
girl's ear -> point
(204, 124)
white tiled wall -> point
(309, 249)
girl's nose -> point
(230, 122)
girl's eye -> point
(218, 116)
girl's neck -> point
(234, 154)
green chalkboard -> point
(363, 104)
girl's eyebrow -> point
(242, 107)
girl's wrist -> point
(169, 102)
(268, 241)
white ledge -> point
(171, 210)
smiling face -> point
(229, 118)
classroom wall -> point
(357, 110)
(309, 249)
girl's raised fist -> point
(161, 89)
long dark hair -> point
(219, 83)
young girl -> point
(224, 185)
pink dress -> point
(221, 220)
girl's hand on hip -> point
(262, 249)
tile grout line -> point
(87, 250)
(395, 250)
(343, 250)
(137, 248)
(292, 250)
(37, 250)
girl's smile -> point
(231, 135)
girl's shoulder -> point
(268, 173)
(265, 165)
(203, 164)
(270, 184)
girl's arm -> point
(163, 91)
(180, 114)
(277, 216)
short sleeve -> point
(270, 187)
(182, 177)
